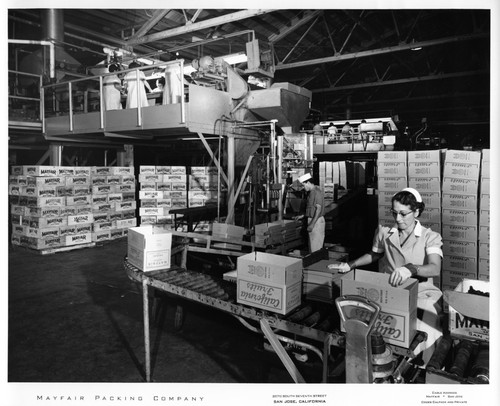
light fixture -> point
(233, 59)
(145, 61)
(416, 48)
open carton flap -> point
(468, 304)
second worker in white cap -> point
(315, 210)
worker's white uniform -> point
(172, 91)
(422, 242)
(133, 90)
(112, 96)
(317, 235)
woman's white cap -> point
(414, 192)
(305, 177)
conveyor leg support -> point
(282, 354)
(145, 305)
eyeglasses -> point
(401, 213)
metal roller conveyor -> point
(309, 323)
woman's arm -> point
(363, 260)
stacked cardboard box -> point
(161, 189)
(484, 218)
(424, 175)
(392, 173)
(277, 232)
(58, 206)
(113, 202)
(149, 247)
(460, 216)
(203, 186)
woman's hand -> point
(341, 267)
(399, 276)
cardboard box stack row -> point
(424, 175)
(277, 232)
(460, 216)
(165, 188)
(332, 178)
(335, 178)
(483, 272)
(60, 206)
(392, 172)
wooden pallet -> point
(54, 250)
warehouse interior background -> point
(433, 71)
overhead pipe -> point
(52, 54)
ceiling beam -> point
(157, 16)
(296, 23)
(213, 22)
(401, 81)
(380, 51)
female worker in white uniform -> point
(135, 89)
(112, 86)
(409, 250)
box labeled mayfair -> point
(149, 248)
(397, 321)
(77, 239)
(469, 313)
(80, 219)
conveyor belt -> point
(311, 321)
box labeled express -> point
(469, 312)
(460, 217)
(459, 201)
(149, 248)
(397, 321)
(426, 183)
(273, 297)
(424, 169)
(424, 156)
(461, 170)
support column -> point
(55, 157)
(230, 178)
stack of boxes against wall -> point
(59, 206)
(484, 218)
(337, 178)
(460, 217)
(164, 188)
(452, 206)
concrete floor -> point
(76, 317)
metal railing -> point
(63, 93)
(28, 97)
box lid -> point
(468, 304)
